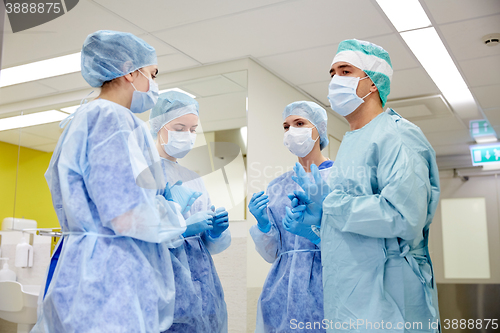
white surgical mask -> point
(143, 101)
(299, 140)
(179, 143)
(342, 94)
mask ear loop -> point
(370, 91)
(161, 138)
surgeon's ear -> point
(373, 88)
(130, 77)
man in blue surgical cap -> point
(377, 272)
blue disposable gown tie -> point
(293, 288)
(199, 298)
(114, 272)
(374, 231)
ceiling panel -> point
(174, 13)
(464, 39)
(292, 67)
(27, 140)
(240, 78)
(444, 11)
(449, 137)
(488, 96)
(453, 149)
(46, 148)
(318, 90)
(62, 36)
(410, 83)
(438, 124)
(277, 29)
(66, 82)
(50, 131)
(24, 91)
(173, 62)
(493, 116)
(485, 71)
(160, 46)
(217, 85)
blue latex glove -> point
(292, 222)
(316, 191)
(198, 223)
(183, 195)
(220, 222)
(258, 208)
(311, 212)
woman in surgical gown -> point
(111, 274)
(292, 296)
(199, 301)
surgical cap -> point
(108, 54)
(370, 58)
(171, 105)
(312, 112)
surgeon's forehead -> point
(293, 118)
(341, 65)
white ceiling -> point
(294, 39)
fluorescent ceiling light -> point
(485, 139)
(70, 109)
(432, 54)
(243, 132)
(41, 70)
(491, 166)
(178, 90)
(405, 14)
(31, 119)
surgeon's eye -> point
(299, 123)
(193, 131)
(286, 127)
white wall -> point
(487, 187)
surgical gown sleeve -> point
(266, 243)
(117, 151)
(402, 190)
(218, 244)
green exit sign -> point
(481, 128)
(482, 155)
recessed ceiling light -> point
(178, 90)
(41, 70)
(31, 119)
(405, 14)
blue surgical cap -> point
(312, 112)
(108, 54)
(171, 105)
(370, 58)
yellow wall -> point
(33, 196)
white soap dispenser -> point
(24, 254)
(5, 273)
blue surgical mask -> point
(179, 143)
(299, 140)
(342, 94)
(143, 101)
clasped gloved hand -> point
(198, 223)
(294, 223)
(316, 191)
(183, 195)
(220, 222)
(258, 208)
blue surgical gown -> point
(114, 272)
(374, 231)
(199, 298)
(293, 291)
